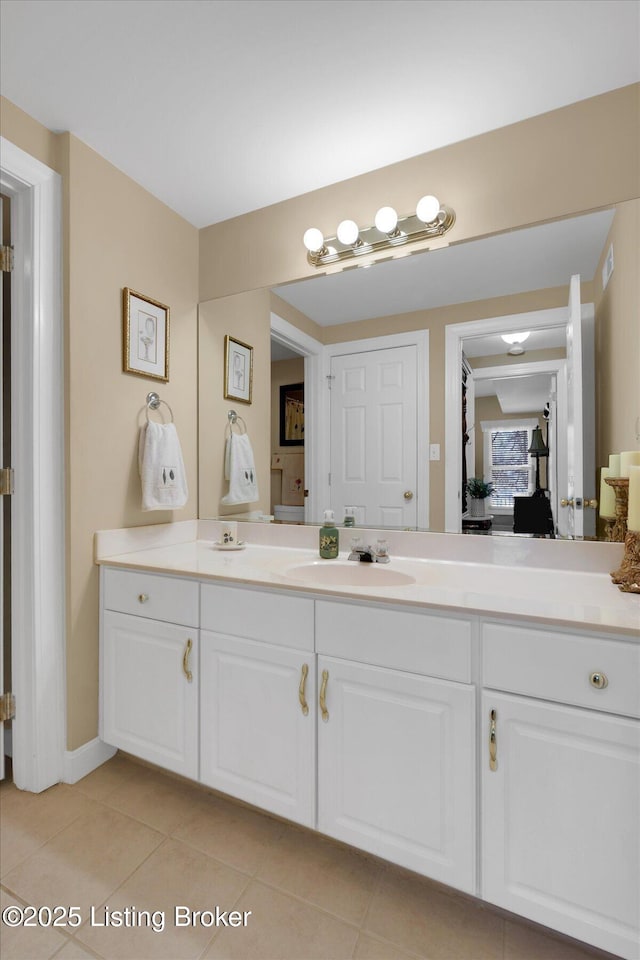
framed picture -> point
(145, 336)
(292, 415)
(238, 370)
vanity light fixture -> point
(515, 340)
(431, 219)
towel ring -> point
(153, 402)
(234, 418)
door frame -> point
(38, 507)
(455, 333)
(286, 334)
(417, 338)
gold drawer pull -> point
(598, 680)
(185, 661)
(493, 743)
(301, 691)
(143, 597)
(323, 695)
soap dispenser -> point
(329, 537)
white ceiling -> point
(518, 394)
(220, 107)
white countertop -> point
(570, 597)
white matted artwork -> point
(238, 370)
(145, 336)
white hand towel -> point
(240, 470)
(164, 481)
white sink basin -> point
(349, 574)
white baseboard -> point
(78, 763)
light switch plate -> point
(434, 451)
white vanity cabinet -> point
(561, 782)
(258, 715)
(396, 754)
(149, 668)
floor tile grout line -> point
(234, 905)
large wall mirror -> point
(385, 433)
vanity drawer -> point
(422, 643)
(258, 615)
(150, 595)
(560, 666)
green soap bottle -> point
(329, 537)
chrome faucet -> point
(378, 553)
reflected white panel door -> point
(374, 436)
(579, 482)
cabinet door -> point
(561, 819)
(258, 740)
(396, 771)
(149, 690)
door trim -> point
(38, 506)
(417, 338)
(455, 333)
(289, 336)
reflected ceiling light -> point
(516, 340)
(431, 220)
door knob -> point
(566, 503)
(408, 494)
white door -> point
(576, 481)
(257, 727)
(561, 819)
(396, 768)
(150, 691)
(374, 436)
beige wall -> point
(115, 235)
(618, 338)
(560, 163)
(21, 129)
(282, 371)
(119, 235)
(245, 317)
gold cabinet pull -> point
(301, 692)
(143, 597)
(185, 661)
(493, 743)
(323, 696)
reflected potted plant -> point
(478, 491)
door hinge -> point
(6, 259)
(330, 377)
(7, 485)
(329, 478)
(7, 707)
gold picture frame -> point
(145, 336)
(238, 370)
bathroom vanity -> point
(481, 735)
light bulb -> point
(347, 232)
(386, 220)
(515, 337)
(313, 240)
(428, 209)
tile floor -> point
(128, 836)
